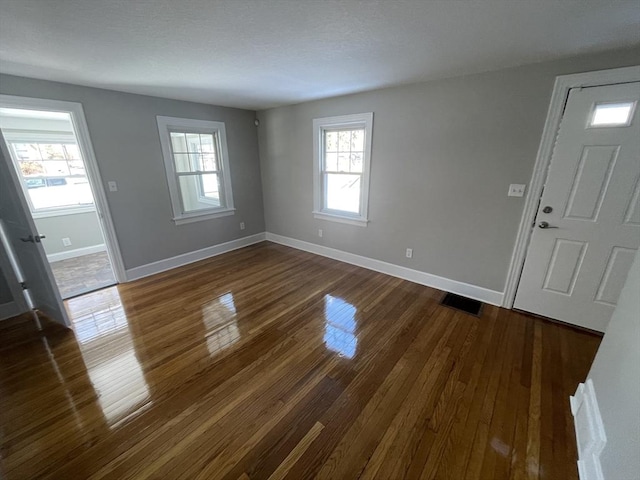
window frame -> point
(320, 125)
(12, 138)
(167, 125)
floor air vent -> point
(466, 305)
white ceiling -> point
(261, 53)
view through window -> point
(53, 174)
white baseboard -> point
(76, 252)
(471, 291)
(186, 258)
(590, 435)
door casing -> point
(559, 97)
(93, 173)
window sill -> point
(62, 212)
(204, 216)
(360, 222)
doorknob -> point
(544, 225)
(33, 239)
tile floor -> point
(79, 275)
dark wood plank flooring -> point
(272, 363)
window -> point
(612, 114)
(342, 155)
(52, 173)
(197, 165)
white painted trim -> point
(10, 310)
(76, 252)
(590, 435)
(363, 120)
(190, 218)
(81, 130)
(559, 97)
(471, 291)
(187, 258)
(63, 212)
(26, 137)
(340, 219)
(165, 125)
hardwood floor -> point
(272, 363)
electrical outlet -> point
(409, 253)
(66, 242)
(320, 233)
(516, 190)
(241, 225)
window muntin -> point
(53, 174)
(342, 169)
(342, 147)
(196, 161)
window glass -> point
(54, 175)
(342, 146)
(196, 163)
(612, 114)
(343, 153)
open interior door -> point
(12, 301)
(21, 244)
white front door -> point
(587, 229)
(21, 244)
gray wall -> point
(125, 139)
(444, 154)
(82, 229)
(5, 293)
(616, 378)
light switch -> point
(516, 190)
(113, 186)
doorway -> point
(581, 227)
(54, 170)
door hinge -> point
(24, 285)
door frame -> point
(81, 130)
(563, 84)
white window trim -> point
(195, 126)
(363, 120)
(62, 211)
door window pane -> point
(612, 114)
